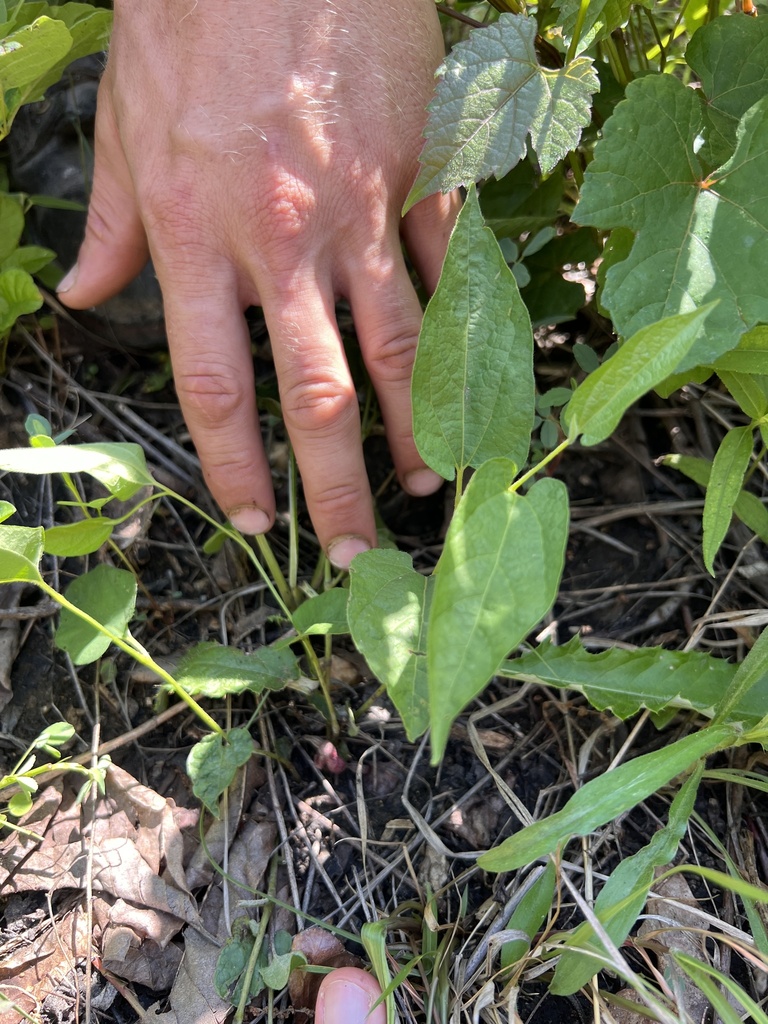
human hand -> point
(261, 152)
(346, 996)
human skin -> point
(260, 152)
(346, 997)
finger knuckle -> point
(210, 394)
(340, 501)
(318, 404)
(392, 353)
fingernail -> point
(249, 520)
(344, 1001)
(342, 550)
(422, 482)
(67, 281)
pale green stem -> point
(540, 465)
(577, 29)
(137, 652)
(266, 913)
(293, 524)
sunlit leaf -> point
(623, 896)
(107, 595)
(646, 359)
(700, 236)
(213, 762)
(727, 475)
(492, 96)
(473, 389)
(498, 576)
(389, 607)
(212, 670)
(604, 798)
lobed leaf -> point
(646, 359)
(212, 670)
(497, 577)
(726, 477)
(107, 595)
(729, 57)
(491, 97)
(388, 611)
(606, 797)
(473, 388)
(623, 896)
(700, 236)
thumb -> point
(346, 997)
(114, 249)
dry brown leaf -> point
(34, 966)
(322, 949)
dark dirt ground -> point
(377, 836)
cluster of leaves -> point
(671, 191)
(37, 42)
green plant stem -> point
(293, 524)
(266, 913)
(577, 29)
(137, 652)
(283, 597)
(540, 465)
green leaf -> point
(30, 258)
(751, 673)
(747, 507)
(529, 915)
(276, 972)
(726, 478)
(521, 201)
(11, 225)
(623, 896)
(646, 359)
(497, 577)
(21, 549)
(749, 389)
(729, 57)
(34, 50)
(18, 295)
(89, 28)
(389, 607)
(120, 467)
(606, 797)
(211, 670)
(602, 17)
(6, 510)
(699, 237)
(750, 356)
(702, 975)
(625, 682)
(108, 595)
(492, 95)
(213, 762)
(81, 538)
(323, 615)
(473, 389)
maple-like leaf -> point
(493, 95)
(700, 236)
